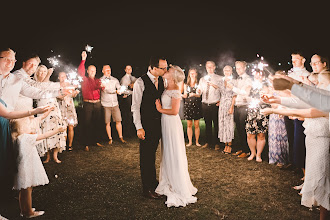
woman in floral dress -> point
(68, 109)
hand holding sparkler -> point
(83, 55)
(267, 111)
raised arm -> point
(81, 68)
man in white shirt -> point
(109, 102)
(209, 88)
(13, 86)
(125, 101)
(30, 65)
(242, 86)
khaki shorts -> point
(112, 111)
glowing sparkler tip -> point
(89, 48)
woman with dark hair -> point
(192, 106)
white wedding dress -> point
(174, 179)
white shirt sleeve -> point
(294, 102)
(318, 98)
(138, 89)
(36, 93)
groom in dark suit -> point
(146, 90)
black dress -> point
(256, 122)
(192, 105)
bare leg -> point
(55, 155)
(197, 132)
(70, 135)
(324, 214)
(25, 201)
(261, 141)
(189, 132)
(108, 129)
(229, 147)
(47, 157)
(251, 139)
(119, 128)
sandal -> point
(70, 148)
(110, 141)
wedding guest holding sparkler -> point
(12, 87)
(125, 102)
(241, 87)
(209, 89)
(192, 106)
(277, 135)
(68, 110)
(109, 102)
(19, 90)
(315, 190)
(226, 111)
(90, 88)
(297, 147)
(54, 120)
(256, 123)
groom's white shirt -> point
(138, 89)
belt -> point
(208, 104)
(91, 101)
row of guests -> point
(315, 190)
(55, 122)
(256, 124)
(103, 92)
(24, 170)
(235, 97)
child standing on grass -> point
(31, 172)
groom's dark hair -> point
(154, 61)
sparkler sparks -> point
(123, 89)
(207, 78)
(74, 79)
(254, 104)
(89, 48)
(54, 61)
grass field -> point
(104, 183)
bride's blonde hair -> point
(178, 74)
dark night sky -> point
(185, 33)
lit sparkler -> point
(74, 79)
(254, 104)
(123, 89)
(207, 77)
(257, 85)
(89, 48)
(54, 61)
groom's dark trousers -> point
(150, 119)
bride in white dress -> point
(174, 179)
